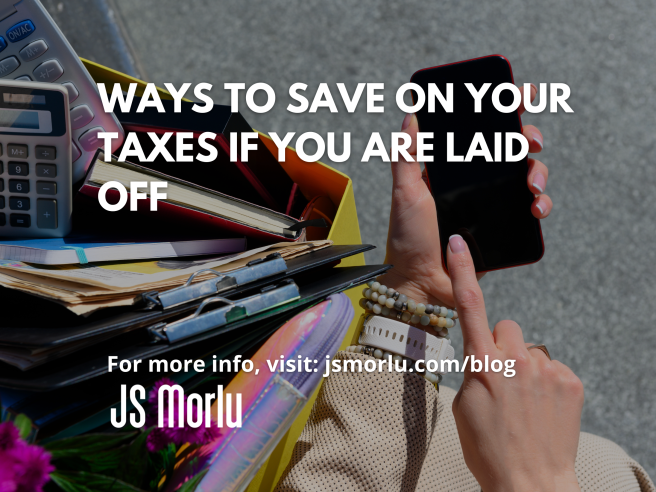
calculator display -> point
(23, 98)
(19, 119)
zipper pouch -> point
(272, 396)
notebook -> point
(88, 249)
(193, 204)
(261, 180)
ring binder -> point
(255, 270)
(198, 322)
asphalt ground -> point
(591, 298)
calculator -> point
(33, 48)
(36, 188)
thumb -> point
(406, 172)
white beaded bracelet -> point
(382, 300)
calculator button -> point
(80, 116)
(3, 43)
(2, 202)
(18, 168)
(3, 220)
(46, 187)
(17, 151)
(48, 71)
(0, 149)
(20, 220)
(16, 203)
(8, 65)
(45, 152)
(46, 170)
(33, 50)
(1, 169)
(19, 186)
(20, 31)
(2, 185)
(73, 93)
(46, 213)
(75, 152)
(90, 141)
(26, 78)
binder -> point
(37, 324)
(146, 342)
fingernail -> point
(534, 87)
(541, 207)
(457, 244)
(538, 139)
(406, 121)
(539, 182)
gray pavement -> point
(591, 298)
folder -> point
(145, 343)
(41, 326)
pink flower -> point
(7, 475)
(32, 467)
(8, 436)
(23, 467)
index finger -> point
(468, 298)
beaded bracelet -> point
(382, 300)
(431, 377)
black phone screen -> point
(487, 203)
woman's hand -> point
(517, 433)
(413, 245)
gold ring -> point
(541, 347)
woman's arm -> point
(518, 433)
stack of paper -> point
(85, 289)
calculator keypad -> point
(39, 210)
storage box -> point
(314, 179)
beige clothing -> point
(395, 432)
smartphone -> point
(487, 203)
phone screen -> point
(487, 203)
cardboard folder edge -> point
(345, 230)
